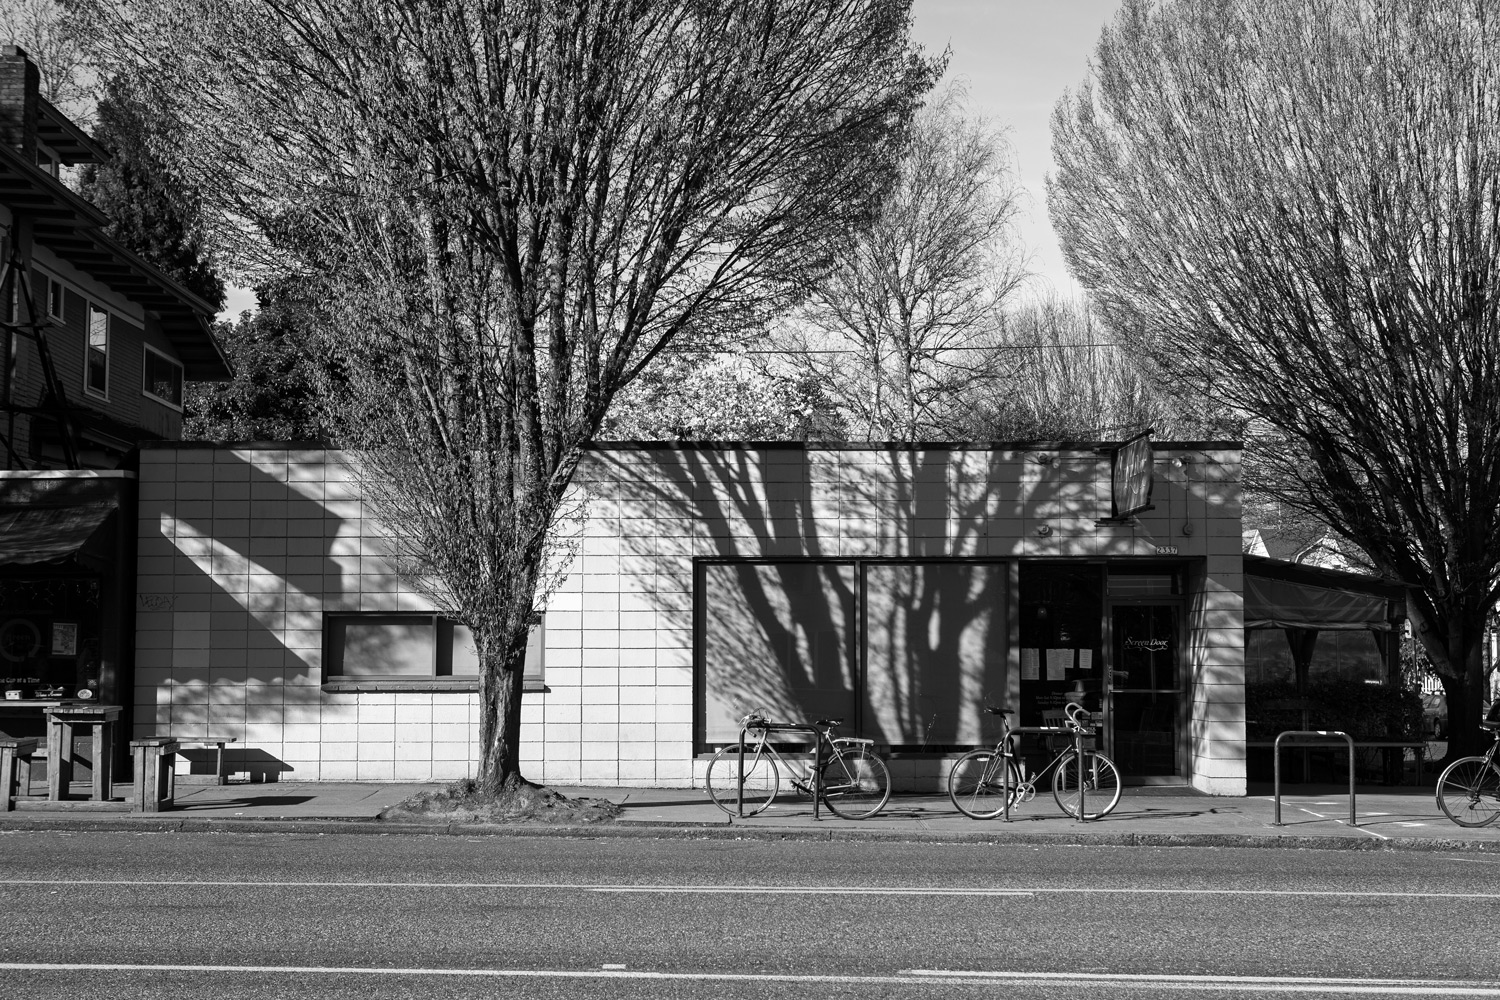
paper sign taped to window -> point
(1058, 662)
(64, 638)
(1030, 665)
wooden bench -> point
(217, 744)
(156, 767)
(155, 773)
(16, 753)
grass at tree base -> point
(518, 802)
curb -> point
(661, 830)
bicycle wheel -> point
(1100, 780)
(977, 785)
(760, 783)
(1468, 791)
(856, 783)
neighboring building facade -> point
(901, 588)
(95, 345)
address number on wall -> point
(1166, 550)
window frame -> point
(88, 349)
(146, 351)
(333, 681)
(56, 294)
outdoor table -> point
(62, 722)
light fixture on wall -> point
(1187, 527)
(1044, 530)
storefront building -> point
(900, 588)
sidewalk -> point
(1312, 816)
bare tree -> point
(903, 324)
(1070, 378)
(1295, 206)
(51, 38)
(519, 205)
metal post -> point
(817, 773)
(1005, 759)
(1083, 794)
(1276, 766)
(740, 778)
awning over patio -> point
(1289, 595)
(57, 523)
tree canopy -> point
(904, 325)
(517, 206)
(1295, 206)
(152, 208)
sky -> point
(1015, 58)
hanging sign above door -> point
(1131, 476)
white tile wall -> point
(241, 551)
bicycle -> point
(985, 783)
(845, 773)
(1468, 790)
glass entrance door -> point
(1145, 689)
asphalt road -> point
(106, 915)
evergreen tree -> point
(152, 210)
(274, 394)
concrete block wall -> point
(243, 550)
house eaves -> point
(72, 228)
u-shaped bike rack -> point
(1331, 734)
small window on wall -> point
(161, 378)
(96, 360)
(54, 298)
(382, 652)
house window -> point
(161, 378)
(54, 293)
(96, 362)
(381, 651)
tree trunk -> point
(1465, 695)
(502, 666)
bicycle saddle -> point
(829, 723)
(997, 711)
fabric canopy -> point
(40, 535)
(62, 521)
(1272, 603)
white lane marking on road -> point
(1477, 861)
(887, 890)
(1368, 987)
(851, 890)
(779, 890)
(1285, 984)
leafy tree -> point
(275, 394)
(1293, 206)
(905, 323)
(517, 206)
(153, 209)
(721, 396)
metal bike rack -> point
(1276, 765)
(776, 727)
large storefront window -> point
(777, 639)
(907, 653)
(1061, 640)
(49, 636)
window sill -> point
(430, 685)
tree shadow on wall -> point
(253, 577)
(850, 583)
